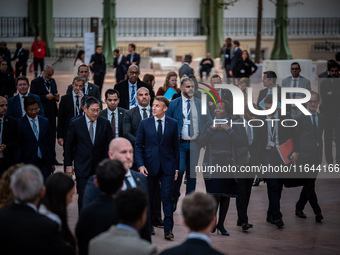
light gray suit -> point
(303, 83)
(120, 242)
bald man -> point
(45, 87)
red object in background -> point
(31, 68)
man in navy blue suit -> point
(15, 107)
(157, 157)
(187, 111)
(87, 144)
(236, 55)
(36, 141)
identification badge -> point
(226, 56)
(271, 144)
(186, 122)
(242, 71)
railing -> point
(144, 27)
(327, 46)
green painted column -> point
(40, 15)
(281, 48)
(212, 25)
(109, 30)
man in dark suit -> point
(69, 107)
(45, 87)
(199, 216)
(246, 156)
(236, 53)
(309, 150)
(7, 82)
(113, 113)
(187, 111)
(127, 89)
(121, 149)
(274, 135)
(23, 229)
(9, 138)
(296, 81)
(157, 156)
(20, 56)
(36, 142)
(206, 65)
(225, 51)
(119, 63)
(100, 215)
(98, 67)
(132, 58)
(90, 89)
(269, 81)
(185, 68)
(330, 94)
(87, 144)
(15, 108)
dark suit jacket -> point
(38, 88)
(22, 57)
(330, 103)
(185, 69)
(94, 219)
(132, 120)
(92, 194)
(121, 114)
(263, 93)
(308, 142)
(11, 138)
(92, 90)
(175, 111)
(65, 114)
(123, 88)
(24, 231)
(121, 68)
(192, 246)
(152, 153)
(79, 147)
(225, 95)
(226, 51)
(29, 144)
(14, 109)
(136, 58)
(235, 59)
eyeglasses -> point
(219, 109)
(313, 101)
(134, 73)
(33, 110)
(295, 69)
(94, 110)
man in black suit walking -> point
(119, 63)
(132, 58)
(98, 67)
(269, 81)
(45, 87)
(9, 138)
(23, 229)
(20, 56)
(89, 89)
(236, 53)
(127, 89)
(309, 151)
(113, 113)
(87, 144)
(199, 216)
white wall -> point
(14, 8)
(310, 8)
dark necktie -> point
(36, 133)
(145, 115)
(248, 134)
(113, 124)
(159, 130)
(128, 184)
(190, 126)
(91, 131)
(294, 86)
(77, 105)
(314, 123)
(133, 98)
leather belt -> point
(187, 141)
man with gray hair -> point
(23, 229)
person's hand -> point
(49, 96)
(69, 171)
(225, 126)
(56, 97)
(61, 141)
(111, 65)
(176, 175)
(143, 171)
(231, 73)
(294, 156)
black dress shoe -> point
(213, 230)
(300, 214)
(279, 223)
(222, 230)
(153, 231)
(174, 205)
(56, 163)
(318, 218)
(246, 226)
(270, 219)
(168, 234)
(238, 223)
(158, 223)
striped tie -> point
(133, 98)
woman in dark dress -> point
(245, 67)
(220, 142)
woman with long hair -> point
(149, 79)
(80, 60)
(170, 82)
(59, 191)
(245, 67)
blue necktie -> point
(127, 183)
(36, 133)
(159, 130)
(189, 117)
(133, 98)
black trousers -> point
(37, 62)
(308, 194)
(243, 195)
